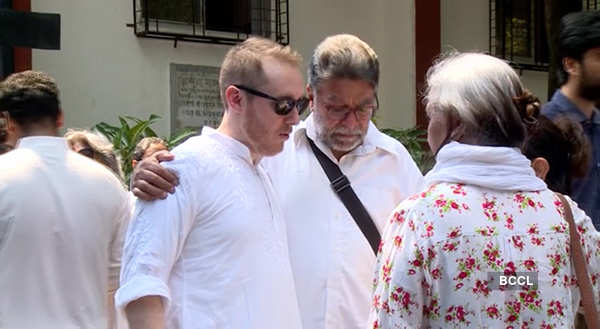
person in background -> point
(579, 49)
(482, 214)
(62, 219)
(559, 151)
(146, 148)
(95, 146)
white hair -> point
(480, 90)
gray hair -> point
(481, 91)
(343, 56)
(103, 150)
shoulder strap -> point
(341, 185)
(583, 279)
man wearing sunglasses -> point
(214, 254)
(332, 261)
(62, 218)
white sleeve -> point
(122, 217)
(154, 242)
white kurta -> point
(62, 219)
(215, 250)
(332, 261)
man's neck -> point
(228, 129)
(586, 106)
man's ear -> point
(540, 167)
(234, 99)
(133, 163)
(570, 65)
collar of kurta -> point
(232, 145)
(42, 142)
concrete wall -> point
(465, 27)
(103, 70)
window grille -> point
(212, 21)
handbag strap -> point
(583, 279)
(341, 185)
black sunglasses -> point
(283, 106)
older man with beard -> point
(579, 48)
(332, 260)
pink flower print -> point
(555, 308)
(457, 314)
(376, 303)
(559, 228)
(397, 241)
(509, 222)
(402, 298)
(491, 255)
(376, 325)
(386, 270)
(458, 189)
(432, 311)
(516, 240)
(509, 268)
(450, 246)
(487, 231)
(537, 241)
(524, 202)
(411, 225)
(489, 209)
(481, 287)
(513, 309)
(530, 300)
(530, 265)
(445, 205)
(458, 286)
(533, 229)
(455, 232)
(398, 217)
(436, 274)
(492, 311)
(428, 230)
(546, 326)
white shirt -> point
(62, 219)
(216, 249)
(331, 259)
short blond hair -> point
(243, 63)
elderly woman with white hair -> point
(484, 217)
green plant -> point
(130, 131)
(415, 141)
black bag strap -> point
(341, 185)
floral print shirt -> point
(441, 247)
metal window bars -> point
(212, 21)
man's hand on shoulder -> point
(150, 180)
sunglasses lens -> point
(284, 107)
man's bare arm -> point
(146, 313)
(150, 180)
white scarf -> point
(494, 167)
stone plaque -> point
(195, 99)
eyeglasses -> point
(283, 106)
(362, 112)
(87, 152)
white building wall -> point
(104, 71)
(465, 27)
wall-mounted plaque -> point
(195, 99)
